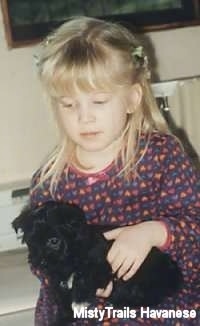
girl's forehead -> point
(75, 89)
(93, 94)
(88, 91)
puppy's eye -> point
(63, 285)
(53, 243)
(43, 263)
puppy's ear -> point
(20, 222)
(70, 214)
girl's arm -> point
(179, 200)
(132, 245)
(174, 229)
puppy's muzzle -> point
(53, 244)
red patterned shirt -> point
(166, 190)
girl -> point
(116, 159)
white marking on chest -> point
(70, 281)
(78, 306)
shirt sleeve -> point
(179, 203)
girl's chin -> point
(93, 147)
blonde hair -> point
(90, 54)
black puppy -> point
(73, 255)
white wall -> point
(27, 131)
(177, 52)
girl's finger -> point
(125, 267)
(117, 263)
(113, 253)
(105, 293)
(131, 271)
(112, 234)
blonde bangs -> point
(64, 77)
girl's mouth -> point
(90, 134)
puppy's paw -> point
(79, 306)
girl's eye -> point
(67, 105)
(101, 98)
(99, 102)
(103, 101)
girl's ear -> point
(135, 97)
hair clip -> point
(138, 52)
(36, 59)
(141, 60)
(48, 39)
(44, 43)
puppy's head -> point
(49, 232)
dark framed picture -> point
(28, 21)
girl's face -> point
(94, 120)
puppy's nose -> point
(53, 243)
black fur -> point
(61, 243)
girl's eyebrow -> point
(101, 94)
(65, 98)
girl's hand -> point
(132, 245)
(105, 293)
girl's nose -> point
(86, 114)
